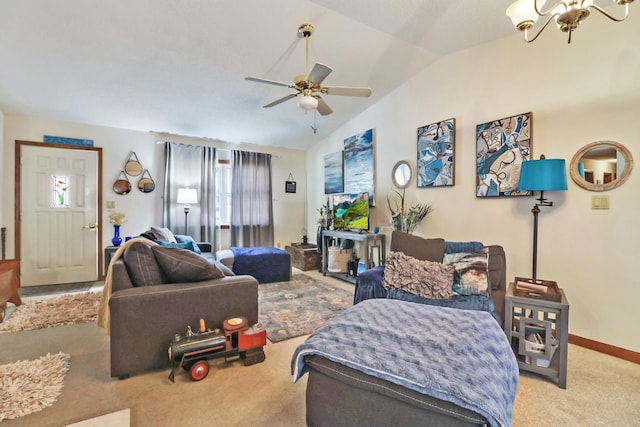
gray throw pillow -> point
(424, 278)
(417, 247)
(142, 266)
(181, 265)
(163, 235)
(226, 270)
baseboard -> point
(611, 350)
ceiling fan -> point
(309, 84)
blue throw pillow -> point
(186, 245)
(181, 238)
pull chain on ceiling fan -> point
(309, 84)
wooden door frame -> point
(17, 202)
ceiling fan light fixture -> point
(308, 102)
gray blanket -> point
(460, 356)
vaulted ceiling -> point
(178, 66)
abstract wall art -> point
(501, 147)
(333, 173)
(359, 164)
(436, 144)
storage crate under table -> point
(304, 256)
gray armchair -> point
(144, 319)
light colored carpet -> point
(31, 385)
(55, 311)
(299, 306)
(601, 390)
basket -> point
(338, 259)
(535, 347)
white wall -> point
(578, 93)
(143, 210)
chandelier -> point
(568, 14)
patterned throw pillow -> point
(471, 272)
(424, 278)
(181, 265)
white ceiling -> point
(178, 66)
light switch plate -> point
(599, 202)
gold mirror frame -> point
(401, 170)
(618, 181)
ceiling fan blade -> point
(319, 73)
(281, 100)
(347, 91)
(322, 107)
(269, 82)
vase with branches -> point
(407, 217)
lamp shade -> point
(543, 175)
(187, 196)
(524, 11)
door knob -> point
(91, 226)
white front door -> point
(59, 215)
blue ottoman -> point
(265, 264)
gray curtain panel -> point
(251, 199)
(191, 166)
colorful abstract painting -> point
(333, 173)
(359, 164)
(501, 147)
(436, 154)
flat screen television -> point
(351, 211)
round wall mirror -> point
(402, 174)
(601, 166)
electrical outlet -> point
(599, 202)
(111, 205)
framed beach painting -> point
(436, 154)
(501, 147)
(333, 173)
(359, 164)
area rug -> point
(300, 306)
(55, 311)
(31, 385)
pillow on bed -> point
(424, 278)
(181, 265)
(471, 272)
(163, 234)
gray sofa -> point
(338, 395)
(146, 317)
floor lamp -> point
(188, 196)
(541, 175)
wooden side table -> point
(108, 254)
(525, 316)
(304, 256)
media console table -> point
(368, 241)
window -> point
(223, 193)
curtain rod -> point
(211, 139)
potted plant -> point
(407, 218)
